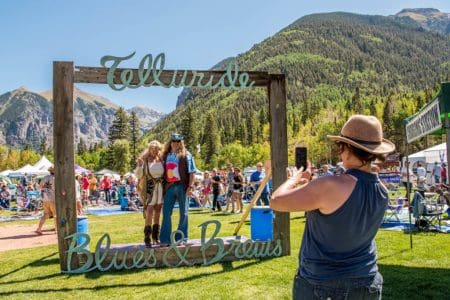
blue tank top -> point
(341, 245)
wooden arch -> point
(65, 74)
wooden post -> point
(63, 145)
(279, 154)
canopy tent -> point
(108, 172)
(28, 170)
(6, 172)
(81, 170)
(129, 174)
(437, 153)
(43, 164)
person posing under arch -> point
(179, 175)
(150, 171)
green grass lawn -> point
(423, 273)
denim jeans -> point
(355, 288)
(216, 202)
(107, 196)
(265, 199)
(176, 192)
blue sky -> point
(192, 34)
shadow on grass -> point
(226, 267)
(402, 282)
(41, 262)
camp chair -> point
(425, 214)
(393, 210)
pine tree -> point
(134, 137)
(388, 114)
(81, 147)
(120, 127)
(43, 147)
(212, 139)
(119, 152)
(188, 129)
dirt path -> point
(23, 236)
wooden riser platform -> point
(193, 252)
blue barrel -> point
(82, 227)
(261, 218)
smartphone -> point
(300, 157)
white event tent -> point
(28, 170)
(43, 164)
(431, 155)
(6, 172)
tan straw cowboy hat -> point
(364, 132)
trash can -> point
(82, 227)
(261, 218)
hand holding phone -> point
(301, 158)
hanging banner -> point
(426, 121)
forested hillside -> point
(337, 64)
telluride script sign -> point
(208, 251)
(150, 72)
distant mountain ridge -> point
(428, 18)
(26, 117)
(335, 64)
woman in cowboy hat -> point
(338, 255)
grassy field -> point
(423, 273)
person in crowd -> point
(121, 188)
(24, 180)
(131, 206)
(421, 172)
(85, 186)
(4, 197)
(256, 179)
(229, 184)
(48, 187)
(131, 183)
(444, 173)
(436, 173)
(338, 256)
(150, 174)
(106, 187)
(404, 178)
(422, 186)
(179, 178)
(326, 171)
(93, 192)
(238, 189)
(216, 181)
(78, 195)
(197, 194)
(206, 183)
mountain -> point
(26, 117)
(336, 64)
(148, 117)
(429, 18)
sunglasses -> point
(176, 141)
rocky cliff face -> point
(429, 18)
(26, 117)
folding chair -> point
(394, 210)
